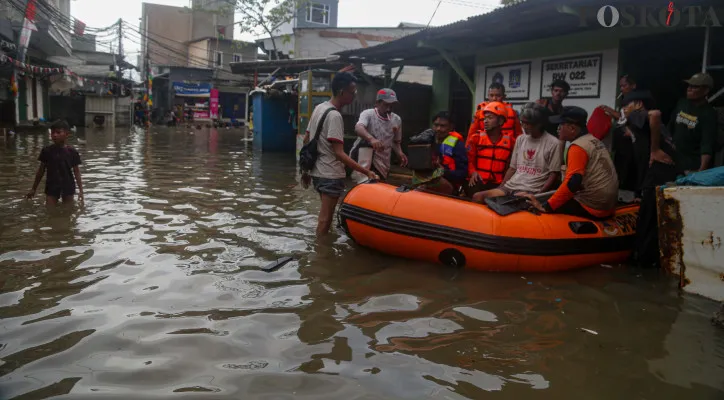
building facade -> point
(52, 38)
(179, 35)
(312, 14)
(194, 46)
(315, 42)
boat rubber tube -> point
(452, 231)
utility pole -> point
(120, 48)
(149, 89)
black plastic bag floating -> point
(275, 265)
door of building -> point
(461, 103)
(660, 63)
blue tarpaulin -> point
(710, 177)
(192, 89)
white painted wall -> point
(608, 84)
(29, 97)
(698, 256)
(308, 44)
(29, 89)
(39, 92)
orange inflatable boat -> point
(454, 231)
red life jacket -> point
(491, 159)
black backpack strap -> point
(320, 124)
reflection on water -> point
(152, 289)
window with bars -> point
(237, 57)
(318, 13)
(219, 59)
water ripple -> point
(154, 287)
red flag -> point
(30, 10)
(78, 27)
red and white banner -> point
(27, 30)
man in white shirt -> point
(380, 132)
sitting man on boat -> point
(590, 187)
(536, 161)
(450, 159)
(490, 151)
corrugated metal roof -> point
(522, 21)
(291, 64)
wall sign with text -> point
(515, 78)
(583, 73)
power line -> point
(185, 56)
(182, 58)
(54, 14)
(434, 12)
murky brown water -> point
(152, 290)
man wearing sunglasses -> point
(693, 125)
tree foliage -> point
(266, 17)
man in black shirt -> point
(655, 166)
(693, 125)
(61, 163)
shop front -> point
(192, 100)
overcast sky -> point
(357, 13)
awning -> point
(291, 65)
(200, 95)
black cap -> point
(637, 95)
(572, 115)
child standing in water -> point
(61, 162)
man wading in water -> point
(328, 173)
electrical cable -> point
(181, 55)
(174, 54)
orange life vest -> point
(509, 128)
(491, 159)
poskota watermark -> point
(639, 16)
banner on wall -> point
(192, 89)
(515, 78)
(214, 104)
(583, 74)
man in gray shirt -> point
(329, 172)
(380, 130)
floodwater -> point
(153, 290)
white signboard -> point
(583, 74)
(515, 78)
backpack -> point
(310, 152)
